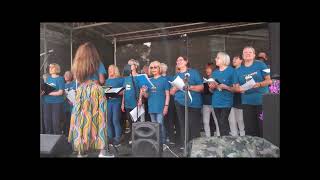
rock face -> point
(230, 146)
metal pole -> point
(187, 43)
(71, 47)
(154, 29)
(91, 25)
(224, 44)
(210, 28)
(115, 50)
(45, 48)
(186, 118)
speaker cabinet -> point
(146, 139)
(271, 118)
(54, 146)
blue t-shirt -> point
(130, 98)
(157, 95)
(70, 86)
(115, 83)
(224, 98)
(101, 70)
(68, 107)
(169, 78)
(258, 70)
(58, 84)
(194, 79)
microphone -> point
(186, 77)
(50, 51)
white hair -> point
(164, 67)
(225, 58)
(133, 62)
(250, 47)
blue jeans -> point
(158, 118)
(113, 122)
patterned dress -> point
(88, 130)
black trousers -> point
(128, 110)
(252, 123)
(194, 121)
(146, 109)
(66, 126)
(222, 115)
(212, 125)
(123, 118)
(52, 116)
(171, 122)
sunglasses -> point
(153, 67)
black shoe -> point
(116, 144)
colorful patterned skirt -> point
(88, 125)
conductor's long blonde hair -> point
(86, 62)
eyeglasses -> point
(151, 67)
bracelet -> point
(166, 105)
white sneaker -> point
(130, 142)
(82, 156)
(105, 154)
(242, 133)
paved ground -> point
(125, 150)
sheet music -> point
(144, 80)
(179, 83)
(208, 80)
(114, 90)
(267, 70)
(71, 95)
(133, 113)
(248, 85)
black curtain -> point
(274, 36)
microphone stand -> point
(41, 106)
(45, 60)
(186, 117)
(135, 93)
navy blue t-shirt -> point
(130, 98)
(223, 98)
(157, 95)
(58, 84)
(115, 83)
(194, 79)
(258, 70)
